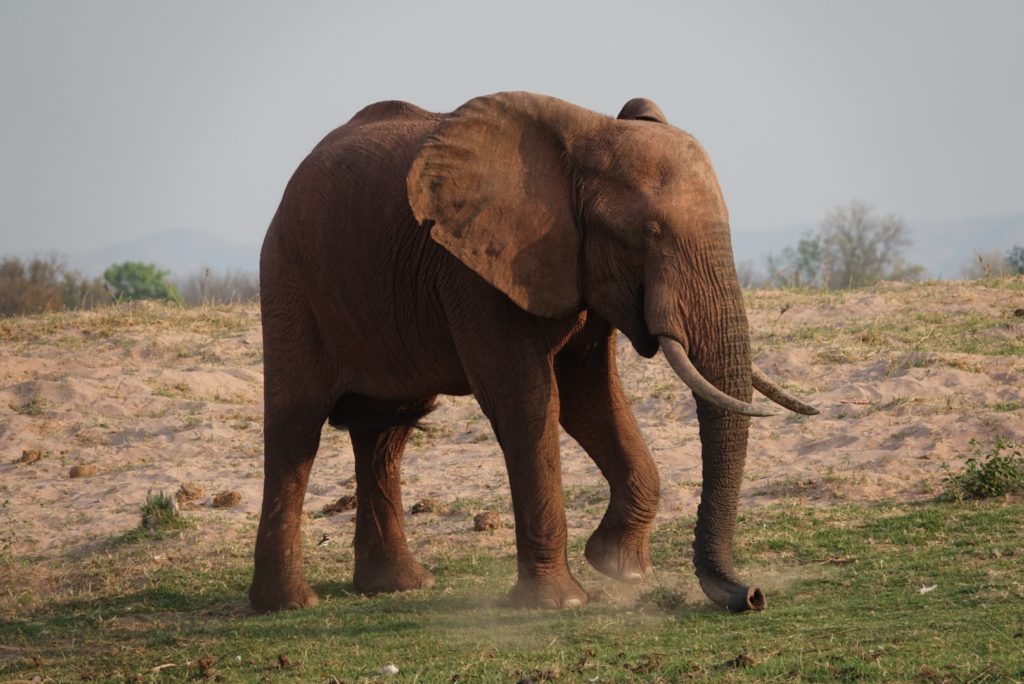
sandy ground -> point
(154, 397)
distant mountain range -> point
(942, 247)
(183, 252)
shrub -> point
(986, 265)
(160, 512)
(999, 472)
(136, 280)
(46, 284)
(207, 287)
(1015, 259)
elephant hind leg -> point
(278, 580)
(383, 561)
(296, 404)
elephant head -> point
(564, 209)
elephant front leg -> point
(523, 409)
(507, 357)
(596, 413)
(530, 445)
(278, 581)
(383, 562)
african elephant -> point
(495, 250)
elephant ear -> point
(494, 181)
(642, 108)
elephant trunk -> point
(710, 326)
(725, 362)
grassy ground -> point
(924, 592)
(891, 591)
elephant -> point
(496, 251)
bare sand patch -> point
(156, 398)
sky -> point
(122, 119)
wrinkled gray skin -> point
(494, 251)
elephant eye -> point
(652, 230)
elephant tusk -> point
(688, 373)
(770, 389)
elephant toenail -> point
(572, 603)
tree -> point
(46, 284)
(851, 248)
(136, 280)
(1015, 259)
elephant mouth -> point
(639, 335)
(645, 344)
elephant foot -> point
(626, 559)
(385, 577)
(268, 596)
(548, 592)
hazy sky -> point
(119, 119)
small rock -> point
(188, 491)
(388, 670)
(30, 456)
(1019, 313)
(487, 520)
(82, 471)
(424, 506)
(345, 503)
(227, 499)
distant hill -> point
(942, 247)
(182, 252)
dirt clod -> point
(206, 668)
(345, 503)
(284, 662)
(77, 471)
(188, 491)
(740, 661)
(486, 520)
(227, 499)
(30, 456)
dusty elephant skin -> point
(494, 251)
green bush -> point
(997, 473)
(160, 512)
(136, 280)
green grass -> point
(977, 320)
(844, 587)
(160, 519)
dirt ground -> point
(154, 397)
